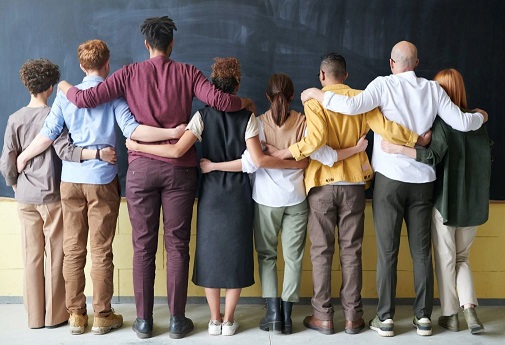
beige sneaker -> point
(102, 325)
(77, 323)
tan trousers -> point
(451, 246)
(93, 209)
(44, 287)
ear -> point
(268, 98)
(148, 47)
(417, 63)
(345, 76)
(83, 69)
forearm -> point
(152, 134)
(346, 153)
(37, 146)
(165, 150)
(230, 166)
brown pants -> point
(44, 287)
(94, 209)
(341, 206)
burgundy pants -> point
(151, 185)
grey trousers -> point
(343, 207)
(393, 202)
(291, 221)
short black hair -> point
(39, 75)
(336, 65)
(158, 32)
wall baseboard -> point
(256, 300)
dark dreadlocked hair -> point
(159, 32)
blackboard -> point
(269, 36)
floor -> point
(14, 330)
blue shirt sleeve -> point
(54, 123)
(124, 118)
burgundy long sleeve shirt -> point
(159, 92)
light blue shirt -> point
(91, 128)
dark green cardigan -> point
(463, 165)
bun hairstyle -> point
(279, 92)
(226, 74)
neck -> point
(155, 53)
(97, 73)
(39, 100)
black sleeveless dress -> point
(224, 237)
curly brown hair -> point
(93, 54)
(39, 75)
(226, 74)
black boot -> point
(287, 323)
(179, 326)
(272, 321)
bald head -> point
(404, 57)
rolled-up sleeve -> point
(316, 128)
(10, 152)
(124, 118)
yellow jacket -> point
(342, 131)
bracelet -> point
(97, 156)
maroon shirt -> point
(159, 92)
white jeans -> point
(451, 250)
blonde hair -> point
(93, 54)
(452, 82)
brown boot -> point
(322, 326)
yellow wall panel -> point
(487, 262)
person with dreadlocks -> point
(224, 248)
(159, 91)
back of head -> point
(404, 56)
(226, 74)
(39, 75)
(452, 82)
(93, 54)
(158, 32)
(280, 91)
(334, 66)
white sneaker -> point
(230, 328)
(214, 327)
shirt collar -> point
(93, 78)
(335, 87)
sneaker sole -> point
(382, 333)
(75, 330)
(104, 330)
(424, 332)
(229, 333)
(216, 331)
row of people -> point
(335, 194)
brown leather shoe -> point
(354, 327)
(322, 326)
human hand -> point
(179, 130)
(482, 112)
(64, 86)
(309, 94)
(251, 107)
(269, 149)
(302, 163)
(362, 144)
(108, 154)
(206, 165)
(21, 163)
(389, 147)
(424, 139)
(132, 145)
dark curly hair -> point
(226, 74)
(158, 32)
(39, 75)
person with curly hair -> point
(37, 191)
(159, 91)
(90, 190)
(224, 247)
